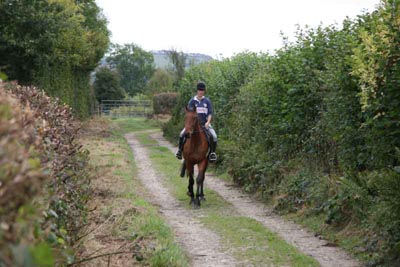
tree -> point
(161, 81)
(53, 44)
(178, 60)
(36, 33)
(134, 65)
(107, 85)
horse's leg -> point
(198, 186)
(190, 193)
(202, 197)
(183, 169)
(203, 166)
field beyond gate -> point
(126, 108)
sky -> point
(221, 28)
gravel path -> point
(292, 233)
(202, 245)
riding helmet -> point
(201, 86)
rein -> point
(188, 135)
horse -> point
(195, 151)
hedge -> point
(316, 123)
(44, 179)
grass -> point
(253, 242)
(349, 239)
(127, 125)
(140, 223)
(250, 242)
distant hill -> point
(162, 61)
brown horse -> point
(195, 152)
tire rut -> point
(292, 233)
(202, 245)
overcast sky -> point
(220, 27)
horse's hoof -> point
(202, 199)
(196, 203)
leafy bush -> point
(107, 85)
(164, 103)
(302, 191)
(385, 228)
(44, 179)
(376, 64)
(161, 81)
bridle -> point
(190, 133)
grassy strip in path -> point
(248, 240)
(113, 157)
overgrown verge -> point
(315, 128)
(44, 179)
(124, 229)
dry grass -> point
(99, 127)
(112, 210)
(121, 219)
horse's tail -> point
(183, 169)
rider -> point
(204, 111)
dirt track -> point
(305, 241)
(202, 245)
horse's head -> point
(191, 120)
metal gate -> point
(125, 108)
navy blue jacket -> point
(203, 107)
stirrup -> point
(212, 157)
(178, 154)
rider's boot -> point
(213, 157)
(178, 154)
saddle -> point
(208, 136)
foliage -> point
(45, 180)
(107, 85)
(134, 65)
(53, 44)
(164, 103)
(3, 76)
(178, 60)
(21, 174)
(310, 125)
(160, 82)
(385, 215)
(376, 63)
